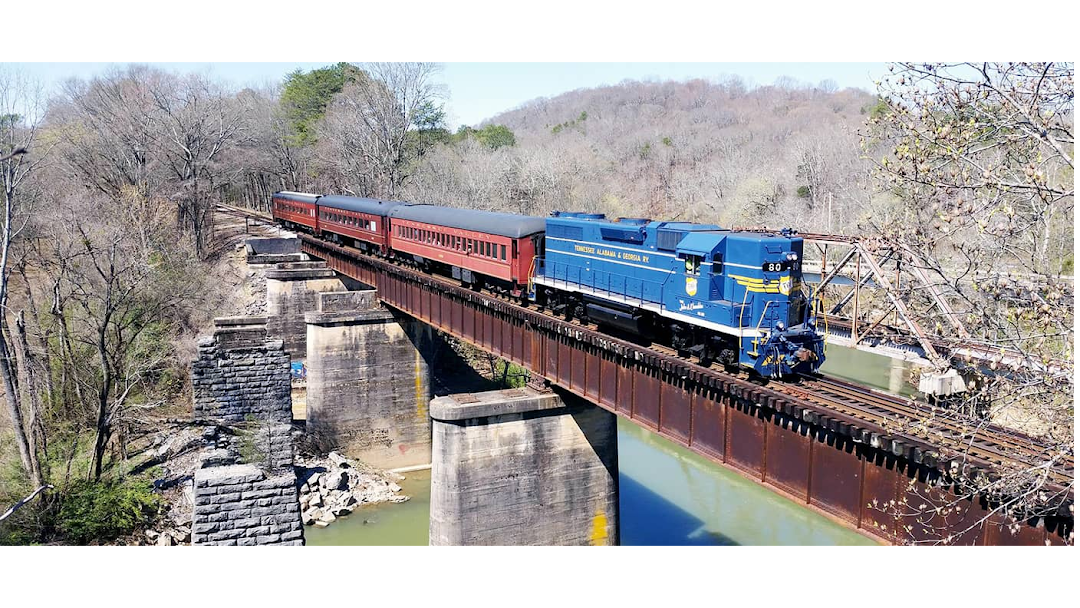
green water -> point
(403, 523)
(872, 370)
(667, 494)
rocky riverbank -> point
(329, 487)
(334, 487)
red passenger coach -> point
(296, 208)
(478, 247)
(363, 220)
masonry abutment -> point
(523, 467)
(265, 252)
(245, 488)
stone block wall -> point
(265, 444)
(243, 505)
(240, 374)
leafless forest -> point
(109, 250)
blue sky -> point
(481, 90)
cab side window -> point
(718, 263)
(693, 264)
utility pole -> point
(830, 211)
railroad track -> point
(991, 443)
(936, 437)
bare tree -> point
(194, 121)
(109, 128)
(20, 113)
(979, 167)
(365, 132)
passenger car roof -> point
(490, 222)
(361, 205)
(302, 197)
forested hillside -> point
(697, 150)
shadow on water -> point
(647, 519)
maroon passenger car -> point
(362, 222)
(296, 208)
(477, 247)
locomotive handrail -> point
(533, 269)
(768, 303)
(742, 309)
(825, 344)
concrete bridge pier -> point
(368, 380)
(523, 467)
(292, 290)
(264, 252)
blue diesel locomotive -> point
(732, 297)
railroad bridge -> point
(830, 445)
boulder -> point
(151, 535)
(327, 517)
(336, 480)
(338, 460)
(342, 510)
(165, 540)
(315, 499)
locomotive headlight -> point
(792, 256)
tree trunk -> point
(28, 363)
(11, 396)
(7, 374)
(103, 422)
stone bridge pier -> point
(245, 487)
(369, 380)
(523, 467)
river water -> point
(667, 494)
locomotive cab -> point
(703, 262)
